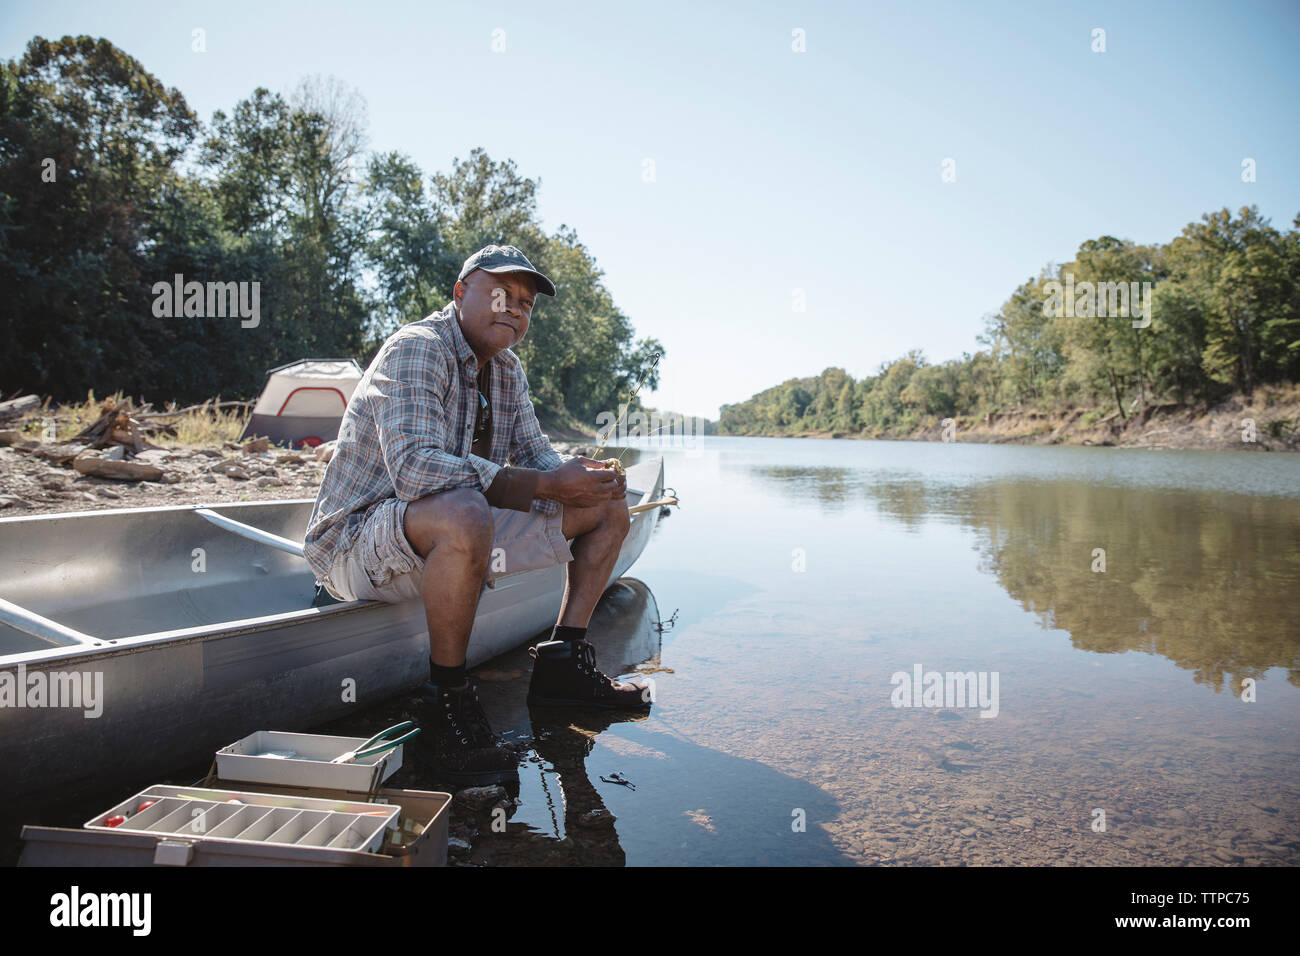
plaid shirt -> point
(408, 430)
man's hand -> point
(612, 463)
(582, 482)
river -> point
(1125, 622)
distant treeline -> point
(1126, 326)
(110, 185)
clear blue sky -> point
(779, 170)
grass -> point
(1267, 396)
(206, 428)
(66, 419)
(1279, 427)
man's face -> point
(494, 309)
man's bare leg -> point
(453, 532)
(599, 530)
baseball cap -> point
(494, 258)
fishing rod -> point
(614, 427)
(618, 462)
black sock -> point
(565, 633)
(449, 677)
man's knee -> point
(459, 519)
(619, 519)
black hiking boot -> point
(565, 675)
(458, 743)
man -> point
(418, 499)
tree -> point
(846, 416)
(1105, 348)
(1026, 342)
(480, 202)
(282, 177)
(88, 143)
(406, 249)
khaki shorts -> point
(381, 565)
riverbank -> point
(37, 478)
(110, 454)
(1268, 421)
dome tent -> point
(303, 402)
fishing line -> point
(614, 427)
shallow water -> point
(799, 576)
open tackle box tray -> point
(269, 826)
(305, 760)
(250, 818)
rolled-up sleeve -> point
(529, 448)
(409, 390)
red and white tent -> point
(303, 402)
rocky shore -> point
(42, 478)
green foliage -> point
(1241, 275)
(88, 140)
(345, 246)
(1025, 344)
(405, 247)
(1225, 313)
(579, 351)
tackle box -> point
(251, 818)
(303, 760)
(268, 826)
